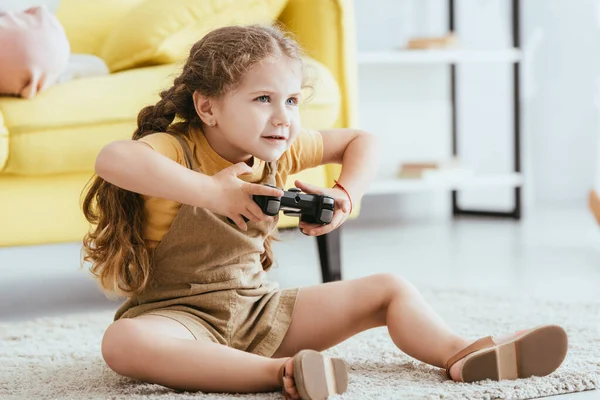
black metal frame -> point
(329, 245)
(516, 211)
(330, 255)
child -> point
(200, 314)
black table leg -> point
(330, 255)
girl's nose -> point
(281, 121)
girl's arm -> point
(357, 151)
(136, 167)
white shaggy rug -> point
(59, 358)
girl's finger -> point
(261, 190)
(323, 229)
(307, 226)
(308, 188)
(239, 221)
(240, 168)
(254, 213)
(319, 229)
(345, 206)
(338, 218)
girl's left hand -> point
(340, 214)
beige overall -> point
(206, 274)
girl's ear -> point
(204, 107)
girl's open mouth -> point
(275, 138)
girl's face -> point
(260, 118)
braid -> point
(158, 117)
(175, 101)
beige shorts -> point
(256, 325)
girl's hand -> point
(340, 213)
(232, 197)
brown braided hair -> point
(115, 246)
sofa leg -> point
(330, 256)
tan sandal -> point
(317, 376)
(534, 352)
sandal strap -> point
(479, 344)
(282, 375)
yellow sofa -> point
(48, 145)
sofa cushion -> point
(166, 30)
(63, 128)
(88, 23)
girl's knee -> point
(119, 342)
(395, 285)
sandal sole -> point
(538, 352)
(318, 377)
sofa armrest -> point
(326, 30)
(3, 143)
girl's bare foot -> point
(289, 384)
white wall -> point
(409, 107)
(17, 5)
(562, 114)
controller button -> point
(272, 207)
(327, 200)
(326, 216)
(294, 190)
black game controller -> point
(311, 208)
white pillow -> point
(83, 66)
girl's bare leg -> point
(160, 350)
(329, 313)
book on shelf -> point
(430, 170)
(448, 41)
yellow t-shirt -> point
(305, 152)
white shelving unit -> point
(403, 185)
(451, 56)
(431, 57)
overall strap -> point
(272, 172)
(187, 152)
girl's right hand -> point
(233, 197)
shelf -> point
(449, 56)
(390, 185)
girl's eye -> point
(292, 101)
(264, 98)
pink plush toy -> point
(34, 51)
